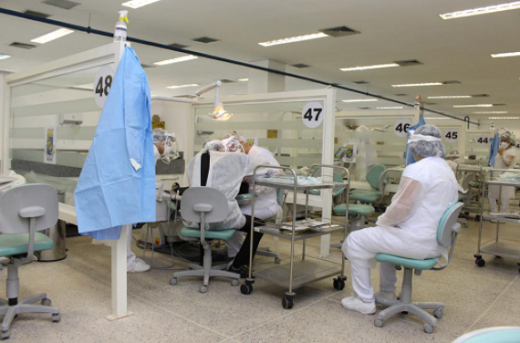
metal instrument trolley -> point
(298, 273)
(471, 205)
(502, 248)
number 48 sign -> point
(102, 85)
(312, 115)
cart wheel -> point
(339, 284)
(246, 289)
(234, 282)
(480, 262)
(5, 334)
(438, 313)
(477, 217)
(428, 328)
(287, 303)
(378, 323)
(277, 260)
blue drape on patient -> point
(409, 157)
(117, 184)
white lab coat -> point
(414, 234)
(507, 192)
(266, 204)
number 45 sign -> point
(102, 85)
(312, 115)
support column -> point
(263, 82)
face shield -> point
(169, 143)
(231, 144)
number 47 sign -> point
(102, 85)
(312, 115)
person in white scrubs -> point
(409, 226)
(266, 204)
(163, 148)
(505, 159)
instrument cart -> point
(496, 247)
(472, 205)
(298, 272)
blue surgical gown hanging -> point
(493, 149)
(409, 157)
(117, 184)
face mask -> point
(504, 145)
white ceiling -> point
(390, 30)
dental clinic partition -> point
(50, 117)
(275, 121)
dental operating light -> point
(218, 113)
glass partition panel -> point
(276, 126)
(477, 146)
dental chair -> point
(375, 195)
(500, 334)
(25, 210)
(446, 237)
(205, 205)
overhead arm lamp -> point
(218, 112)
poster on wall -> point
(49, 152)
(349, 153)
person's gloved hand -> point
(261, 190)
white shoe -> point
(139, 267)
(386, 296)
(353, 303)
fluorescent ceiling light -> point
(450, 97)
(176, 60)
(183, 86)
(375, 66)
(419, 84)
(138, 3)
(52, 36)
(503, 118)
(4, 57)
(481, 10)
(293, 39)
(491, 112)
(506, 54)
(245, 79)
(476, 105)
(390, 108)
(360, 100)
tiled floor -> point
(80, 286)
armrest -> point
(32, 212)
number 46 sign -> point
(102, 85)
(312, 115)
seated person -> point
(409, 226)
(453, 160)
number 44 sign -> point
(312, 115)
(102, 85)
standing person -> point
(266, 204)
(505, 159)
(409, 225)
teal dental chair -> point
(25, 210)
(374, 195)
(500, 334)
(205, 205)
(446, 237)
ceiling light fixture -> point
(183, 86)
(294, 39)
(506, 54)
(476, 105)
(4, 57)
(176, 60)
(450, 97)
(218, 113)
(245, 79)
(375, 66)
(390, 108)
(360, 100)
(481, 10)
(52, 36)
(503, 118)
(419, 84)
(490, 112)
(138, 3)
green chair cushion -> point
(216, 234)
(364, 197)
(17, 244)
(354, 209)
(462, 196)
(505, 335)
(378, 193)
(245, 196)
(407, 262)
